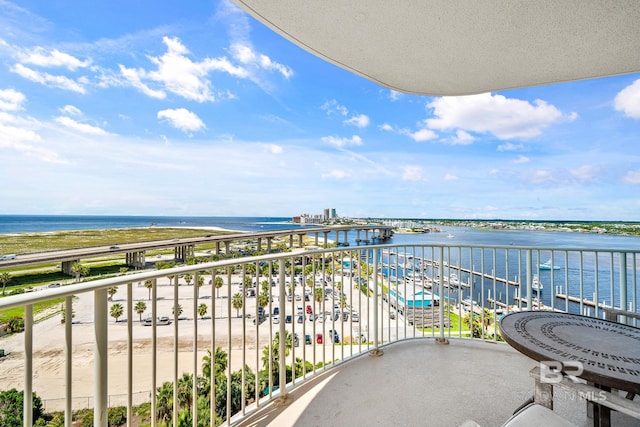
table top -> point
(609, 351)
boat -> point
(547, 266)
(450, 236)
(535, 284)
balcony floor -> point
(421, 383)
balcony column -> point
(316, 236)
(259, 244)
(529, 263)
(301, 241)
(326, 233)
(269, 244)
(227, 248)
(290, 241)
(101, 357)
(217, 248)
(623, 288)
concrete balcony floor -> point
(421, 383)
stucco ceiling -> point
(448, 47)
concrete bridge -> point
(185, 247)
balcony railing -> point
(219, 356)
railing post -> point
(441, 339)
(623, 286)
(68, 352)
(376, 351)
(28, 365)
(282, 362)
(529, 265)
(100, 358)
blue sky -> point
(194, 108)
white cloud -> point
(60, 82)
(361, 121)
(40, 57)
(70, 110)
(11, 100)
(332, 107)
(182, 119)
(413, 173)
(506, 118)
(273, 148)
(17, 134)
(342, 142)
(584, 172)
(246, 55)
(335, 174)
(80, 127)
(386, 127)
(394, 95)
(509, 146)
(521, 160)
(420, 135)
(134, 77)
(462, 138)
(541, 176)
(628, 100)
(450, 177)
(178, 74)
(632, 177)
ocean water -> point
(10, 224)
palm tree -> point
(148, 284)
(200, 280)
(220, 362)
(218, 284)
(177, 309)
(139, 308)
(164, 398)
(117, 310)
(4, 279)
(202, 310)
(111, 291)
(318, 296)
(263, 299)
(237, 303)
(188, 278)
(79, 270)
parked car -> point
(312, 317)
(275, 319)
(296, 340)
(355, 317)
(309, 309)
(300, 318)
(336, 336)
(258, 320)
(318, 338)
(161, 320)
(288, 318)
(307, 339)
(276, 311)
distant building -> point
(327, 212)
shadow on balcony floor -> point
(421, 383)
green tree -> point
(264, 286)
(188, 278)
(64, 313)
(318, 296)
(200, 280)
(12, 407)
(247, 281)
(263, 299)
(111, 291)
(79, 270)
(218, 284)
(202, 310)
(124, 270)
(4, 279)
(164, 403)
(117, 310)
(237, 302)
(177, 309)
(271, 357)
(140, 308)
(149, 285)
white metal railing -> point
(359, 299)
